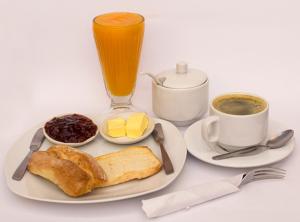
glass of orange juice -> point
(119, 37)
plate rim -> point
(191, 151)
(103, 200)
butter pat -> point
(116, 127)
(136, 125)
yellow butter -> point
(116, 127)
(136, 124)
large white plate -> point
(37, 188)
(199, 149)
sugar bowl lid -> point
(182, 77)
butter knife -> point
(159, 137)
(35, 145)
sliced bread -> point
(130, 163)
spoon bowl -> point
(280, 140)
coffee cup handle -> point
(210, 129)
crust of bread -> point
(130, 163)
(64, 173)
(75, 172)
(81, 159)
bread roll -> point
(75, 172)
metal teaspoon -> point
(158, 81)
(274, 143)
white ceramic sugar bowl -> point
(182, 96)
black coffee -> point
(237, 104)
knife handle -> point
(167, 164)
(20, 171)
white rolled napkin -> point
(184, 199)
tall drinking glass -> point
(119, 37)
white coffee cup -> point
(233, 131)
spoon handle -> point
(152, 76)
(241, 152)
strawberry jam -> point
(72, 128)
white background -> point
(49, 65)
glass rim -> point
(119, 26)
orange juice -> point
(119, 38)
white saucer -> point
(201, 150)
(125, 140)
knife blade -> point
(159, 137)
(35, 145)
(253, 150)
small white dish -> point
(51, 140)
(36, 188)
(197, 146)
(125, 140)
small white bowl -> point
(70, 144)
(125, 140)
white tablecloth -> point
(49, 66)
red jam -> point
(73, 128)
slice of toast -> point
(130, 163)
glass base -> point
(120, 102)
(119, 110)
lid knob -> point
(181, 68)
